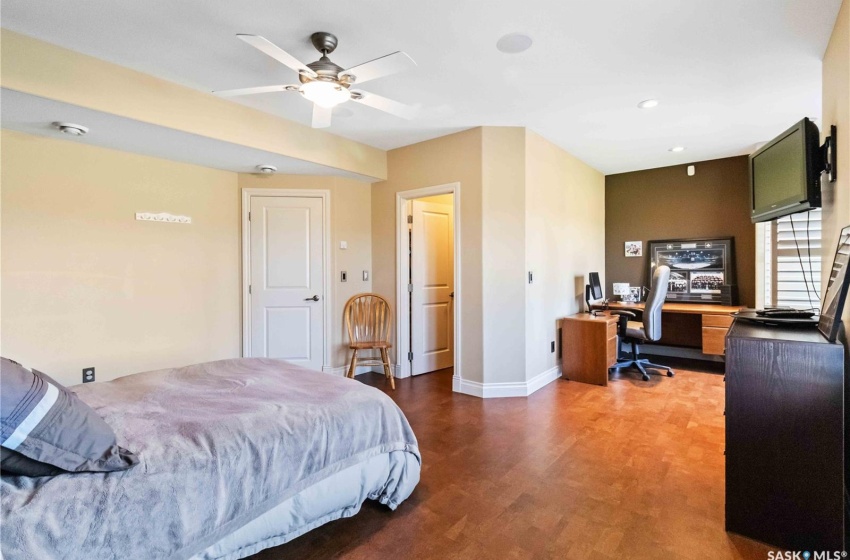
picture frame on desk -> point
(702, 270)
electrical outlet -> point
(343, 276)
(88, 375)
(553, 346)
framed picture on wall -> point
(634, 248)
(701, 270)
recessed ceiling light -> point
(71, 128)
(514, 43)
(678, 149)
(648, 104)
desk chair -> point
(635, 332)
(368, 318)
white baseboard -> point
(359, 370)
(511, 389)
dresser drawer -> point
(724, 321)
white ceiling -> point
(729, 73)
(35, 115)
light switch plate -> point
(343, 244)
(343, 276)
(365, 275)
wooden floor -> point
(632, 470)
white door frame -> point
(403, 273)
(325, 195)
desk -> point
(691, 325)
(588, 347)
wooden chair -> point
(368, 318)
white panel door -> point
(287, 279)
(432, 274)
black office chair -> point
(635, 333)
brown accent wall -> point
(665, 203)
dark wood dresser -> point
(786, 437)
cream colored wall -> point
(449, 159)
(503, 253)
(836, 110)
(564, 240)
(351, 221)
(38, 68)
(85, 284)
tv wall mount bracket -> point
(829, 155)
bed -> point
(235, 456)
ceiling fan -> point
(327, 84)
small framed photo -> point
(634, 248)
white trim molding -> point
(511, 389)
(327, 289)
(402, 366)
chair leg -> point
(352, 365)
(387, 370)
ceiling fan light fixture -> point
(325, 94)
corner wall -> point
(564, 240)
(836, 110)
(448, 159)
(503, 253)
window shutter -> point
(792, 278)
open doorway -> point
(429, 293)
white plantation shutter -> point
(792, 279)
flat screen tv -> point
(785, 174)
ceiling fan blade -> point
(380, 67)
(250, 90)
(387, 105)
(276, 53)
(321, 116)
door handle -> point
(314, 298)
(452, 295)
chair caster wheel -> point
(670, 374)
(645, 377)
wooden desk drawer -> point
(612, 351)
(724, 321)
(612, 330)
(714, 340)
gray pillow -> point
(47, 430)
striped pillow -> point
(45, 429)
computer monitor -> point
(595, 286)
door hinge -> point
(410, 219)
(249, 289)
(410, 356)
(410, 288)
(249, 216)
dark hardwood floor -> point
(632, 470)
